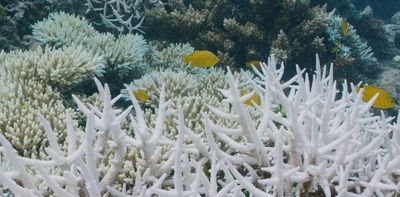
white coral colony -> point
(307, 139)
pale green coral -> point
(62, 28)
(349, 47)
(121, 54)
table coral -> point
(122, 55)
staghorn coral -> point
(318, 143)
(120, 16)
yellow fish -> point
(201, 59)
(254, 63)
(384, 100)
(140, 95)
(254, 98)
(345, 27)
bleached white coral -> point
(30, 82)
(121, 54)
(317, 142)
(123, 16)
(194, 92)
(127, 52)
(170, 57)
(18, 111)
(68, 66)
(61, 28)
(61, 68)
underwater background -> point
(178, 54)
(237, 31)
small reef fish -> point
(254, 98)
(203, 58)
(255, 63)
(141, 95)
(384, 100)
(345, 27)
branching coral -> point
(348, 48)
(122, 16)
(169, 57)
(226, 28)
(30, 83)
(319, 142)
(316, 142)
(194, 92)
(122, 54)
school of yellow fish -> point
(206, 59)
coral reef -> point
(289, 29)
(16, 18)
(31, 82)
(224, 26)
(350, 51)
(124, 56)
(194, 92)
(370, 19)
(169, 57)
(120, 16)
(317, 143)
(269, 130)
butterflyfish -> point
(203, 58)
(345, 27)
(254, 63)
(384, 100)
(255, 98)
(141, 95)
